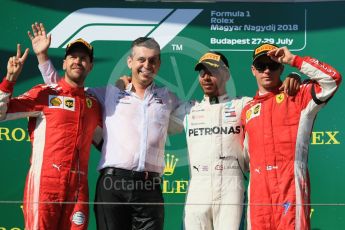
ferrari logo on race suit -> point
(280, 98)
(88, 103)
(254, 111)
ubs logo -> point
(69, 103)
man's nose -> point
(78, 60)
(147, 64)
(207, 77)
(267, 69)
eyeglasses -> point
(262, 66)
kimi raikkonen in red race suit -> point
(62, 120)
(277, 130)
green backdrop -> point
(185, 31)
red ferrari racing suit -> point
(277, 131)
(62, 120)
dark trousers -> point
(141, 195)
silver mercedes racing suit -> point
(216, 191)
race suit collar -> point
(216, 100)
(265, 96)
(68, 88)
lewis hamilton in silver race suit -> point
(213, 131)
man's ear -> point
(227, 74)
(64, 64)
(253, 70)
(129, 62)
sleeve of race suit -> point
(6, 89)
(49, 73)
(177, 117)
(244, 137)
(245, 153)
(97, 139)
(26, 105)
(175, 104)
(323, 82)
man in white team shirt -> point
(135, 123)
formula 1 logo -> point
(122, 24)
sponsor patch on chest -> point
(254, 111)
(61, 102)
(207, 131)
(229, 113)
(123, 98)
(157, 98)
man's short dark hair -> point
(149, 43)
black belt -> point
(129, 173)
